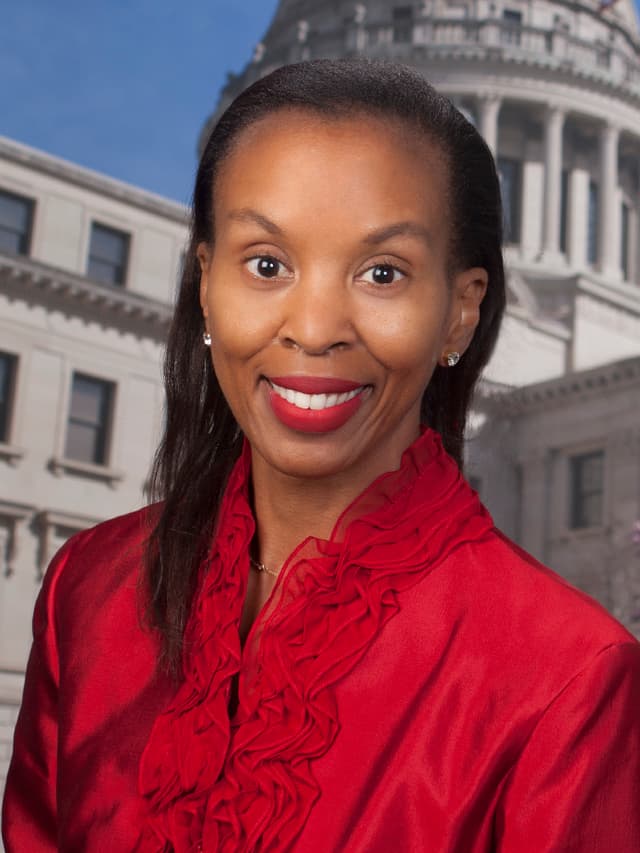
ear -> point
(203, 253)
(469, 288)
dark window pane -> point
(512, 26)
(403, 24)
(7, 376)
(564, 209)
(108, 255)
(625, 222)
(587, 486)
(510, 173)
(15, 223)
(592, 226)
(104, 272)
(11, 242)
(81, 443)
(87, 399)
(89, 415)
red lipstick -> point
(320, 414)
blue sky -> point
(122, 86)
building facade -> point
(88, 267)
(558, 464)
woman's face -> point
(325, 290)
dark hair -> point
(202, 440)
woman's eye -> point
(382, 274)
(265, 266)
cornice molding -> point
(584, 384)
(619, 295)
(23, 278)
(58, 518)
(63, 170)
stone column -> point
(578, 217)
(535, 500)
(608, 213)
(532, 208)
(489, 109)
(553, 126)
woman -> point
(351, 657)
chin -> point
(310, 463)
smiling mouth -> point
(315, 402)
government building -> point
(88, 267)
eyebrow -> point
(399, 229)
(374, 238)
(246, 214)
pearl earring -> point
(452, 358)
(206, 337)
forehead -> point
(355, 160)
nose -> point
(317, 316)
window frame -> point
(7, 409)
(403, 21)
(578, 517)
(564, 210)
(593, 223)
(512, 22)
(122, 269)
(104, 427)
(26, 238)
(625, 239)
(514, 210)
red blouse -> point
(415, 683)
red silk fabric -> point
(415, 683)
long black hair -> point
(202, 440)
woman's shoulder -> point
(100, 563)
(512, 617)
(521, 610)
(550, 599)
(125, 529)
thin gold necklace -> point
(262, 568)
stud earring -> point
(452, 358)
(206, 337)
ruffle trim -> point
(247, 784)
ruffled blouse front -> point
(415, 683)
(247, 783)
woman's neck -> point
(289, 509)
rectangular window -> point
(592, 224)
(403, 24)
(512, 26)
(625, 223)
(8, 364)
(587, 488)
(89, 419)
(564, 209)
(510, 173)
(108, 255)
(16, 216)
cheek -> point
(405, 338)
(239, 323)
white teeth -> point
(315, 401)
(318, 401)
